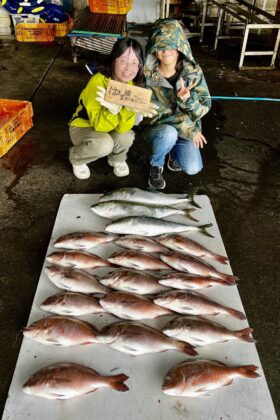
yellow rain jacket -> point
(90, 113)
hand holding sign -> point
(184, 92)
(100, 95)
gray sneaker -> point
(156, 179)
(173, 165)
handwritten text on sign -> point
(133, 97)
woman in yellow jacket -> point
(99, 128)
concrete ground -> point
(240, 175)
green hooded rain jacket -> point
(184, 116)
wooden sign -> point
(133, 97)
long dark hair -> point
(118, 49)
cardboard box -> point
(131, 96)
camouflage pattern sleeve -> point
(199, 102)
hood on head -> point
(167, 34)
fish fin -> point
(186, 348)
(204, 228)
(229, 382)
(228, 278)
(59, 396)
(191, 195)
(221, 259)
(116, 382)
(248, 371)
(236, 314)
(189, 215)
(245, 335)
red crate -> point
(15, 121)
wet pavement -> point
(240, 176)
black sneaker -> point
(156, 180)
(173, 165)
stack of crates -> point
(28, 28)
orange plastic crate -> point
(35, 32)
(15, 121)
(111, 7)
(62, 29)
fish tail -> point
(248, 371)
(245, 335)
(228, 278)
(117, 382)
(221, 259)
(204, 230)
(236, 314)
(191, 195)
(186, 348)
(189, 215)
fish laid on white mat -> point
(115, 209)
(195, 378)
(83, 240)
(187, 246)
(72, 303)
(187, 281)
(132, 281)
(61, 331)
(195, 265)
(61, 381)
(77, 259)
(140, 243)
(150, 226)
(193, 303)
(135, 338)
(138, 260)
(131, 306)
(201, 332)
(74, 280)
(147, 197)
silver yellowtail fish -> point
(117, 209)
(74, 280)
(61, 381)
(187, 246)
(83, 240)
(131, 306)
(150, 226)
(135, 338)
(187, 281)
(193, 303)
(77, 259)
(137, 195)
(196, 378)
(140, 243)
(195, 265)
(71, 303)
(132, 281)
(138, 260)
(61, 331)
(201, 332)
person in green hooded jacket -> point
(100, 128)
(180, 91)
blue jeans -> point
(164, 139)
